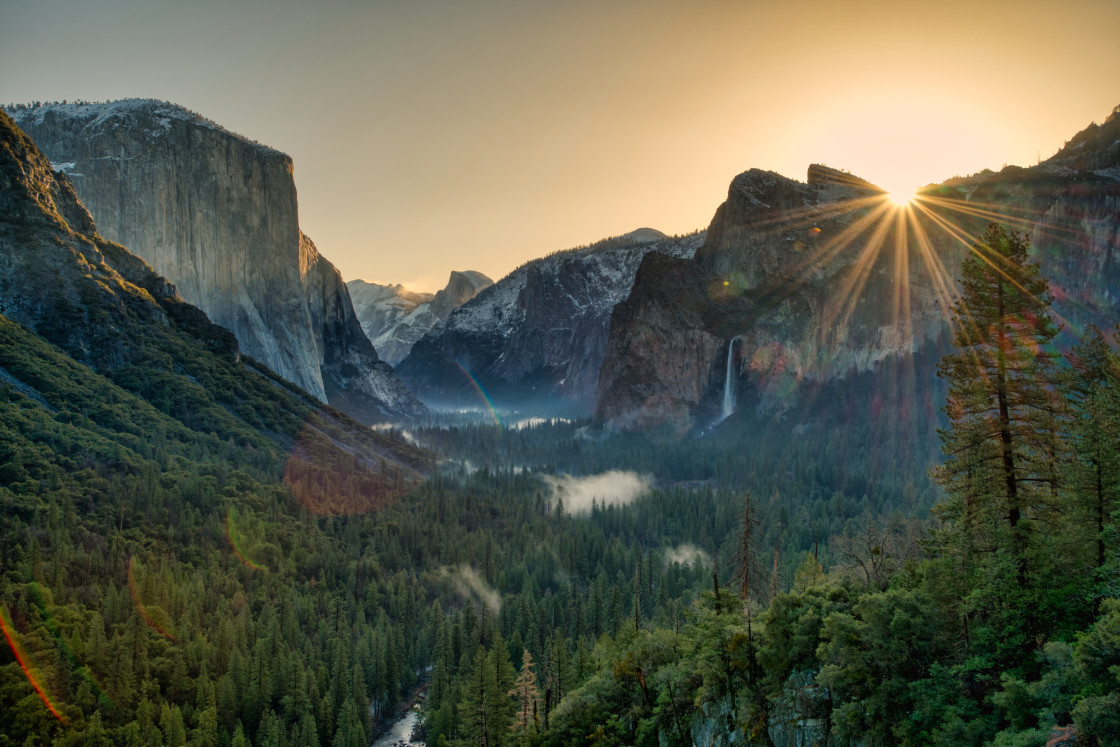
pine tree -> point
(1093, 388)
(748, 574)
(483, 722)
(1003, 446)
(1003, 442)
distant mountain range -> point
(793, 284)
(536, 338)
(394, 318)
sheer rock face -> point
(217, 215)
(813, 281)
(799, 276)
(354, 379)
(60, 278)
(537, 336)
(394, 318)
(1069, 207)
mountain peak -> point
(154, 117)
(821, 175)
(644, 235)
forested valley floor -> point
(170, 576)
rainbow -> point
(481, 392)
(233, 538)
(26, 663)
(142, 608)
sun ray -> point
(972, 242)
(836, 244)
(902, 312)
(855, 280)
(980, 210)
(944, 290)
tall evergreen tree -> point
(1094, 394)
(1004, 444)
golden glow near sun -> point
(900, 197)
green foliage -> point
(194, 553)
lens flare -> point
(75, 665)
(26, 663)
(236, 542)
(328, 481)
(157, 619)
(481, 393)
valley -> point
(827, 472)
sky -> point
(431, 136)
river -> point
(400, 731)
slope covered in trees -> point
(154, 486)
(193, 552)
(1005, 630)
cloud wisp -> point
(687, 554)
(613, 488)
(473, 587)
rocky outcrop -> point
(799, 276)
(799, 717)
(394, 318)
(55, 277)
(461, 287)
(217, 215)
(159, 365)
(538, 336)
(354, 379)
(814, 281)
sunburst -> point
(901, 197)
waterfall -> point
(728, 385)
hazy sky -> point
(430, 136)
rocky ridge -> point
(132, 365)
(810, 282)
(538, 335)
(217, 215)
(394, 318)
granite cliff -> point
(216, 214)
(537, 336)
(394, 318)
(801, 283)
(132, 372)
(799, 275)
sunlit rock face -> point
(1069, 207)
(820, 279)
(394, 318)
(62, 280)
(217, 215)
(537, 336)
(802, 275)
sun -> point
(901, 197)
